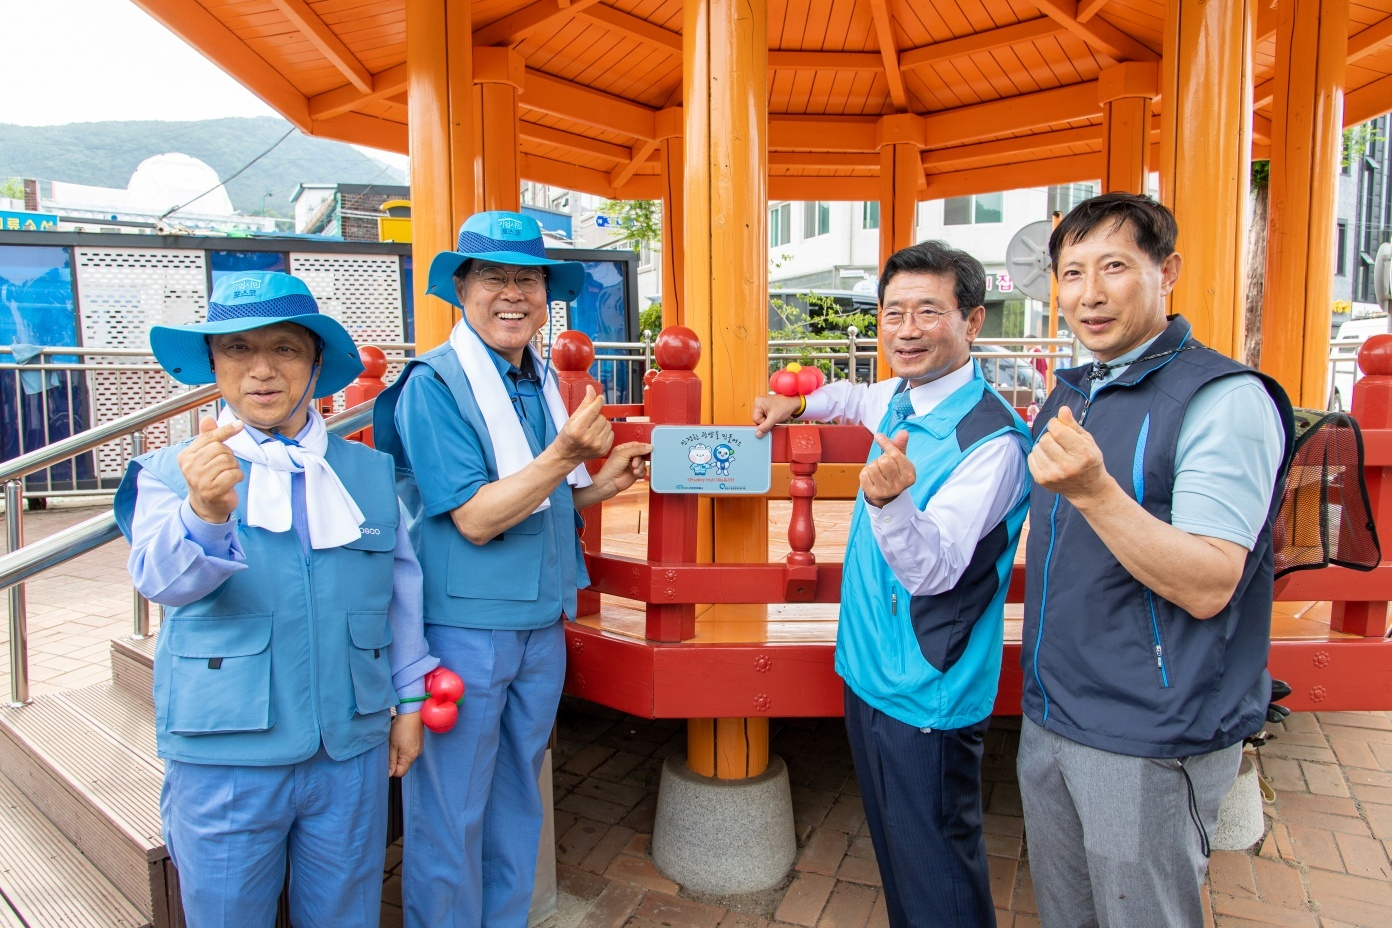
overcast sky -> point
(93, 60)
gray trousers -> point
(1112, 842)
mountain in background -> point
(105, 154)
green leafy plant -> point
(12, 187)
(823, 320)
(1357, 140)
(639, 220)
(650, 319)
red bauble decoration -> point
(572, 351)
(809, 379)
(446, 685)
(374, 362)
(784, 382)
(439, 716)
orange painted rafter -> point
(569, 176)
(641, 152)
(385, 85)
(1087, 9)
(1013, 114)
(822, 159)
(1266, 21)
(1263, 94)
(889, 50)
(224, 48)
(635, 26)
(1261, 128)
(563, 98)
(824, 61)
(364, 130)
(1066, 170)
(573, 142)
(1097, 33)
(1013, 148)
(1368, 101)
(987, 41)
(329, 44)
(1374, 38)
(517, 26)
(823, 133)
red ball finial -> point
(1375, 357)
(572, 351)
(374, 362)
(677, 349)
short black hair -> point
(1151, 223)
(969, 277)
(461, 273)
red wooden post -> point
(1372, 407)
(673, 397)
(572, 353)
(804, 453)
(368, 384)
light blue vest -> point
(522, 579)
(932, 661)
(291, 651)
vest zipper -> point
(313, 662)
(893, 603)
(1159, 649)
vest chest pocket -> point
(508, 567)
(367, 659)
(220, 674)
(374, 537)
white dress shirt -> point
(929, 549)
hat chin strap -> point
(295, 410)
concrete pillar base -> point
(724, 836)
(1240, 821)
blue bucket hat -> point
(252, 300)
(507, 238)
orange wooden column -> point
(1307, 124)
(901, 138)
(1205, 157)
(1125, 92)
(439, 87)
(671, 149)
(725, 71)
(498, 77)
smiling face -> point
(265, 373)
(1111, 292)
(506, 319)
(920, 355)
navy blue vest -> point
(1107, 663)
(291, 651)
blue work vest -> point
(932, 661)
(1107, 663)
(500, 583)
(290, 652)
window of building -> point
(980, 209)
(870, 214)
(645, 255)
(1063, 197)
(1341, 250)
(816, 219)
(780, 224)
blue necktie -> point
(903, 408)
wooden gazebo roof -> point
(1008, 87)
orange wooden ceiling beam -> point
(308, 23)
(1013, 114)
(1087, 9)
(581, 144)
(1097, 33)
(1013, 147)
(224, 48)
(1368, 101)
(572, 101)
(889, 50)
(635, 26)
(822, 133)
(385, 85)
(824, 61)
(517, 26)
(1038, 172)
(986, 41)
(364, 130)
(1374, 38)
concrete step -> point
(87, 764)
(45, 881)
(132, 666)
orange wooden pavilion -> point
(716, 106)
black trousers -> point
(922, 796)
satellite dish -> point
(1027, 259)
(1382, 280)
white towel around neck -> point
(510, 447)
(334, 519)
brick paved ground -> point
(1324, 861)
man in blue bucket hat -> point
(492, 472)
(293, 619)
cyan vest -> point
(932, 661)
(290, 652)
(500, 583)
(1108, 663)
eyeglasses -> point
(528, 280)
(924, 319)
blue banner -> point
(28, 222)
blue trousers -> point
(472, 809)
(229, 830)
(922, 796)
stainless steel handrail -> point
(97, 436)
(22, 563)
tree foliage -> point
(639, 221)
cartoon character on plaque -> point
(700, 457)
(724, 457)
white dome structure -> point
(173, 179)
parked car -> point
(1343, 363)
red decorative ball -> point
(809, 379)
(784, 382)
(374, 362)
(439, 716)
(650, 376)
(677, 349)
(1375, 357)
(446, 685)
(572, 351)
